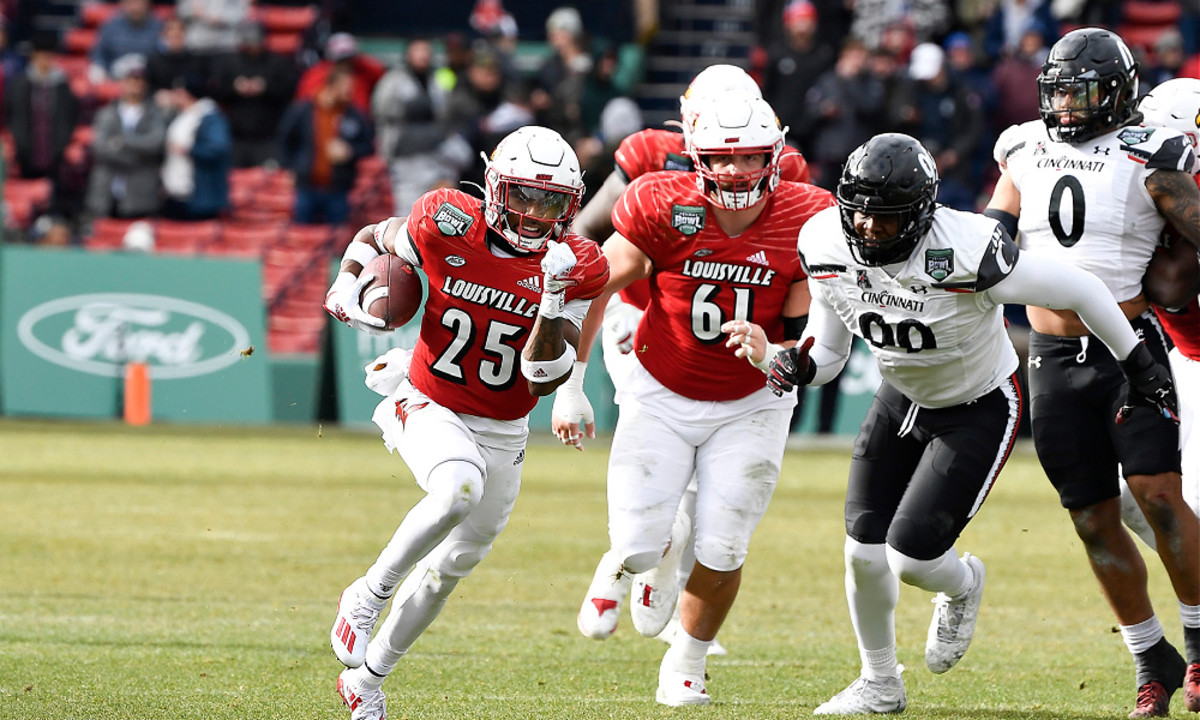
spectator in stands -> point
(499, 31)
(409, 108)
(133, 30)
(212, 25)
(41, 112)
(128, 137)
(1009, 22)
(561, 78)
(1015, 80)
(1168, 60)
(11, 61)
(254, 86)
(473, 99)
(945, 115)
(195, 173)
(962, 60)
(845, 106)
(927, 19)
(599, 87)
(793, 65)
(321, 141)
(170, 62)
(341, 51)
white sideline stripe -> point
(1010, 430)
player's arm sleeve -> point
(575, 311)
(831, 341)
(1045, 282)
(402, 244)
(998, 261)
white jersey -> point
(937, 337)
(1086, 203)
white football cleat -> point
(364, 703)
(679, 686)
(358, 611)
(656, 591)
(953, 623)
(867, 697)
(602, 607)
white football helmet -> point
(737, 126)
(1175, 104)
(533, 187)
(715, 82)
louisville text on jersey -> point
(488, 297)
(728, 272)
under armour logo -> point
(1100, 150)
(918, 289)
(1035, 361)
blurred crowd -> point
(196, 92)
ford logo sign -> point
(99, 333)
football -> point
(404, 291)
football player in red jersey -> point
(652, 150)
(1173, 281)
(509, 287)
(726, 287)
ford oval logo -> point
(100, 332)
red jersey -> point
(481, 307)
(1183, 326)
(653, 150)
(702, 278)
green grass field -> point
(180, 573)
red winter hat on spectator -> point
(799, 10)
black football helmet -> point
(1088, 85)
(890, 174)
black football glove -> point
(791, 368)
(1149, 385)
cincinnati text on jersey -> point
(886, 299)
(728, 272)
(489, 297)
(1065, 163)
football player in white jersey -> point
(1093, 189)
(923, 285)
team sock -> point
(1163, 663)
(1190, 615)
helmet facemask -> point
(1088, 86)
(533, 187)
(738, 127)
(891, 176)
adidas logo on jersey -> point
(531, 283)
(759, 258)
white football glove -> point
(557, 264)
(620, 324)
(572, 413)
(342, 302)
(386, 372)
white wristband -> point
(772, 350)
(552, 304)
(359, 252)
(577, 373)
(544, 371)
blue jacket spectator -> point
(133, 30)
(199, 154)
(321, 141)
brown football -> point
(404, 295)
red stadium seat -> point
(253, 238)
(281, 18)
(181, 237)
(107, 234)
(95, 14)
(283, 43)
(79, 41)
(1149, 12)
